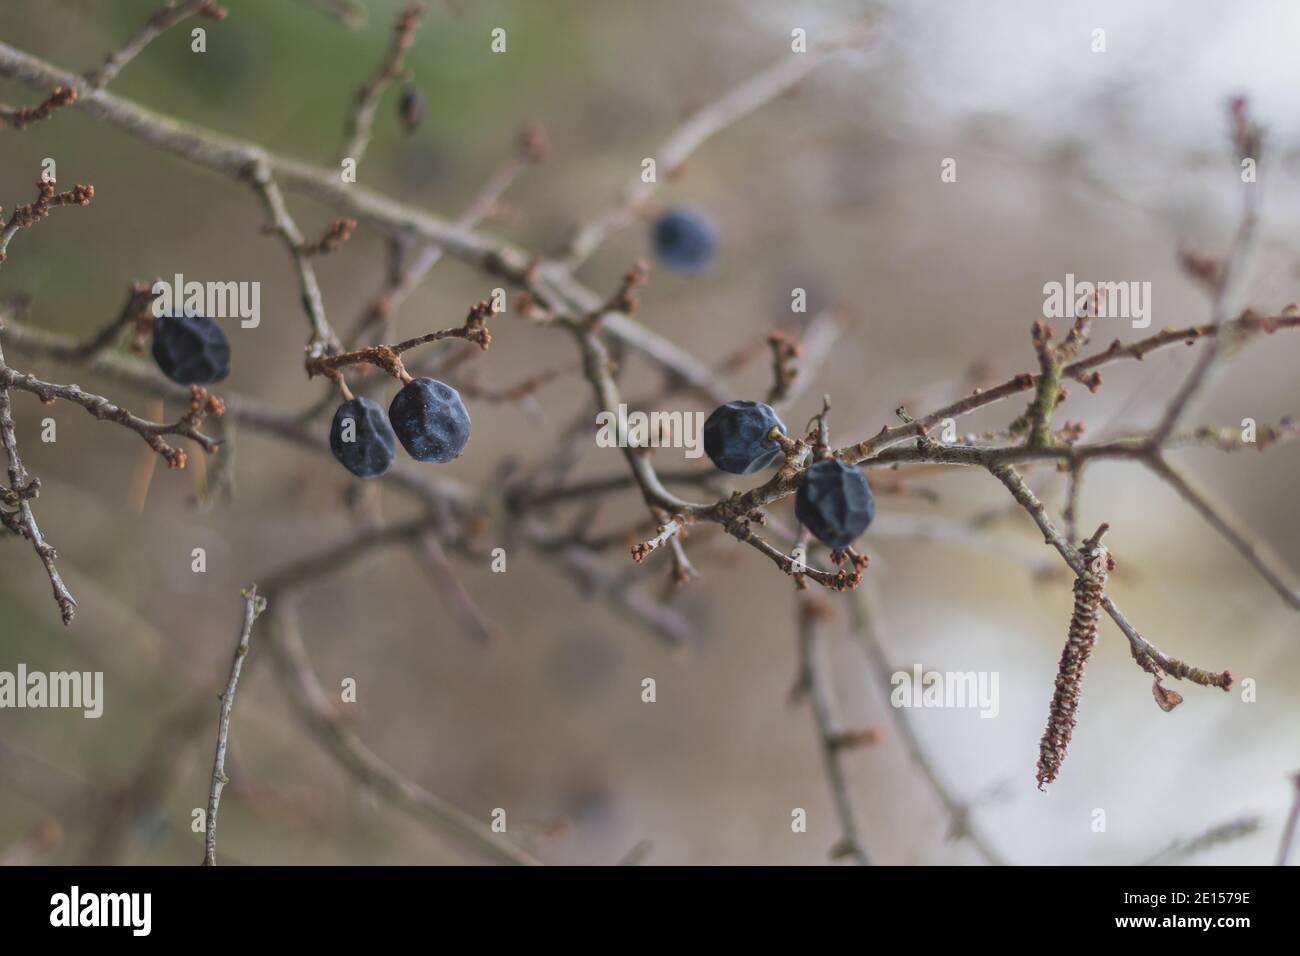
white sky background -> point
(1150, 107)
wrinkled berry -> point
(735, 437)
(430, 420)
(191, 349)
(685, 240)
(361, 439)
(835, 503)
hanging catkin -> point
(1088, 588)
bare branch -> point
(340, 231)
(22, 488)
(363, 115)
(732, 106)
(1147, 655)
(187, 426)
(350, 13)
(814, 683)
(388, 357)
(323, 341)
(531, 148)
(1223, 280)
(1261, 557)
(1289, 829)
(320, 715)
(476, 625)
(161, 21)
(253, 607)
(1217, 835)
(24, 116)
(47, 199)
(397, 218)
(863, 616)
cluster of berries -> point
(427, 416)
(834, 502)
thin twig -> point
(187, 426)
(1261, 557)
(1214, 836)
(253, 607)
(159, 23)
(476, 624)
(1289, 829)
(24, 116)
(1145, 653)
(813, 682)
(29, 214)
(314, 707)
(404, 279)
(22, 488)
(393, 216)
(863, 618)
(1223, 281)
(348, 12)
(323, 341)
(735, 104)
(363, 115)
(388, 357)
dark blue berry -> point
(835, 503)
(410, 108)
(735, 437)
(685, 240)
(190, 349)
(361, 439)
(430, 420)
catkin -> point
(1088, 588)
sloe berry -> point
(361, 439)
(685, 240)
(735, 437)
(835, 503)
(410, 109)
(430, 420)
(191, 349)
